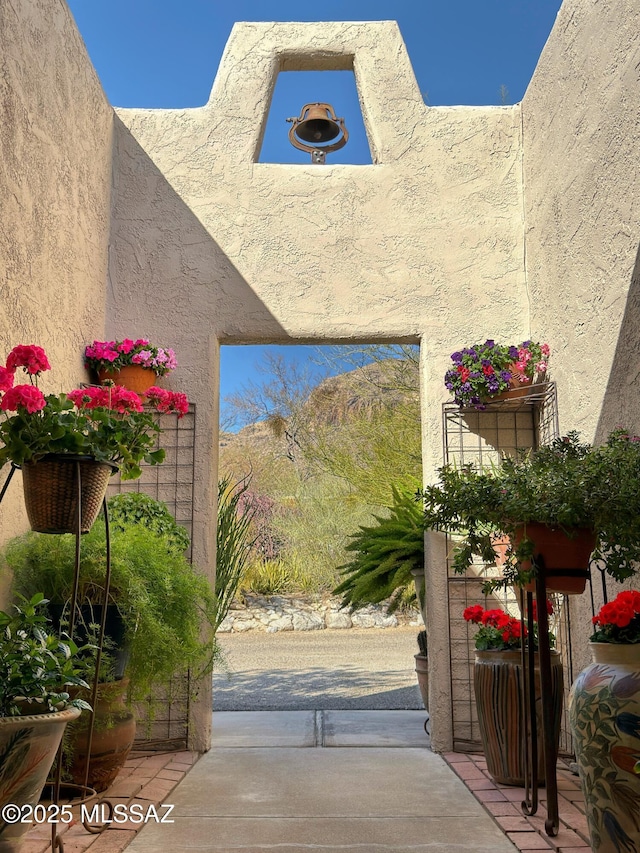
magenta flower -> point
(6, 379)
(23, 397)
(30, 357)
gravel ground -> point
(356, 669)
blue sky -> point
(165, 54)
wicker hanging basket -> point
(51, 492)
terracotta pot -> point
(566, 559)
(51, 492)
(134, 377)
(422, 671)
(604, 713)
(28, 747)
(498, 687)
(113, 735)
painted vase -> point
(28, 747)
(604, 712)
(498, 686)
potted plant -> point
(604, 714)
(484, 371)
(37, 669)
(576, 496)
(422, 668)
(90, 430)
(386, 556)
(167, 609)
(133, 364)
(498, 687)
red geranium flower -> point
(23, 396)
(6, 379)
(31, 357)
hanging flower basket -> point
(51, 492)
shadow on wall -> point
(621, 405)
(168, 276)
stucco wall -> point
(581, 124)
(55, 174)
(425, 244)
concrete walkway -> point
(322, 781)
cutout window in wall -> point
(292, 91)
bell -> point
(314, 126)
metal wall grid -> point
(164, 722)
(480, 438)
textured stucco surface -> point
(581, 125)
(504, 222)
(55, 175)
(425, 244)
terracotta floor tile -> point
(529, 841)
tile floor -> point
(503, 803)
(150, 778)
(146, 779)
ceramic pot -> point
(498, 687)
(604, 713)
(422, 672)
(51, 492)
(133, 377)
(566, 558)
(114, 730)
(28, 746)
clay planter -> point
(134, 377)
(113, 734)
(422, 672)
(498, 686)
(604, 713)
(51, 492)
(566, 559)
(28, 746)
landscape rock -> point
(275, 613)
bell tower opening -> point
(299, 112)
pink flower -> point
(126, 345)
(6, 379)
(123, 400)
(544, 349)
(101, 351)
(89, 398)
(541, 367)
(524, 355)
(23, 397)
(168, 401)
(143, 357)
(31, 357)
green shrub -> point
(164, 602)
(139, 508)
(385, 554)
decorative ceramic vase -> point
(498, 686)
(114, 730)
(28, 746)
(604, 713)
(133, 377)
(566, 558)
(422, 672)
(51, 492)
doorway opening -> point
(324, 436)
